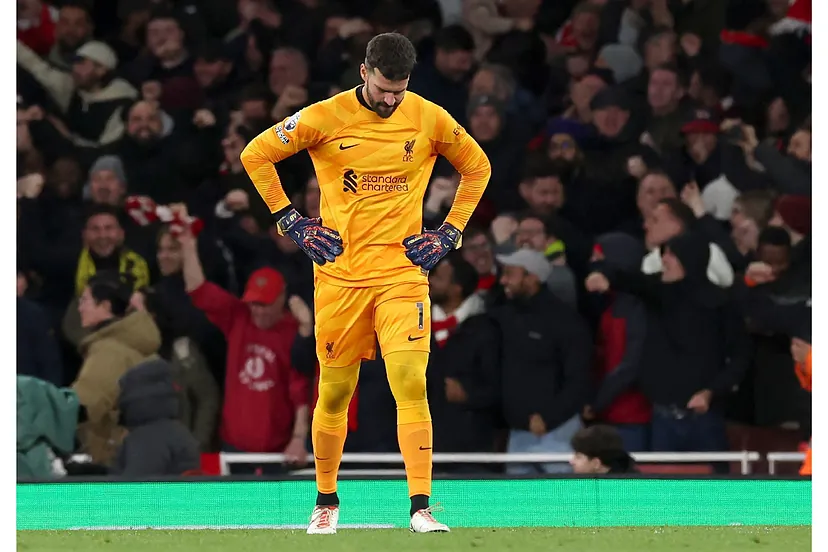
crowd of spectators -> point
(641, 256)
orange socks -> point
(406, 376)
(330, 422)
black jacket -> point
(467, 356)
(545, 355)
(695, 338)
(158, 443)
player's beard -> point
(379, 107)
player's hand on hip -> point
(425, 250)
(319, 242)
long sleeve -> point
(219, 305)
(302, 130)
(626, 372)
(643, 286)
(789, 175)
(59, 84)
(574, 342)
(465, 154)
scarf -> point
(444, 324)
(144, 211)
(129, 263)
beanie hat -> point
(109, 163)
(795, 211)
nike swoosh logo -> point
(347, 147)
(425, 448)
(321, 458)
(415, 338)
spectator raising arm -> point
(58, 83)
(219, 305)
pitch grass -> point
(620, 539)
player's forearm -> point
(472, 186)
(475, 171)
(258, 158)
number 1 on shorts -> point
(420, 322)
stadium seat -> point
(678, 469)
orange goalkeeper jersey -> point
(373, 175)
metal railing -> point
(745, 459)
(781, 457)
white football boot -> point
(323, 520)
(423, 522)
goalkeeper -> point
(373, 149)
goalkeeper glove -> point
(425, 250)
(320, 243)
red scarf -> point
(40, 37)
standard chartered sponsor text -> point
(384, 184)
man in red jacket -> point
(265, 398)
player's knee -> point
(335, 396)
(406, 377)
(336, 387)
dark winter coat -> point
(467, 356)
(545, 355)
(157, 443)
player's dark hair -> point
(453, 38)
(392, 54)
(773, 235)
(680, 210)
(464, 274)
(597, 440)
(96, 209)
(111, 286)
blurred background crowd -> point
(641, 257)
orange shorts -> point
(350, 321)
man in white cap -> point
(545, 356)
(90, 98)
